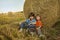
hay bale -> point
(48, 10)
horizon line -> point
(11, 11)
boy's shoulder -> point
(29, 20)
(34, 20)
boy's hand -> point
(40, 26)
(34, 23)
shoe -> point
(32, 33)
(20, 30)
(41, 35)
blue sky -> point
(11, 5)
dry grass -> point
(9, 25)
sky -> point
(11, 5)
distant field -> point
(11, 17)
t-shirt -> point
(38, 24)
(31, 21)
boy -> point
(30, 22)
(38, 25)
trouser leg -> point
(39, 31)
(21, 25)
(31, 27)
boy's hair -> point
(37, 15)
(31, 14)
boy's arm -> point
(40, 25)
(34, 22)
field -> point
(9, 28)
(9, 24)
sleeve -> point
(34, 21)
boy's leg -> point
(32, 29)
(31, 26)
(21, 26)
(39, 31)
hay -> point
(48, 10)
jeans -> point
(31, 28)
(23, 25)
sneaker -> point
(20, 30)
(32, 33)
(41, 35)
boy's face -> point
(37, 17)
(31, 17)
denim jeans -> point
(32, 28)
(23, 25)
